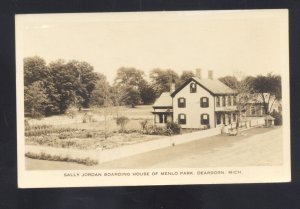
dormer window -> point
(193, 88)
(181, 102)
(204, 102)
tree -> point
(244, 92)
(230, 81)
(122, 121)
(186, 75)
(35, 69)
(129, 77)
(87, 80)
(102, 91)
(269, 87)
(161, 80)
(35, 99)
(132, 96)
(147, 93)
(128, 85)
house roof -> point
(165, 100)
(213, 86)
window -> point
(182, 118)
(252, 110)
(234, 117)
(234, 100)
(204, 102)
(229, 100)
(181, 102)
(223, 101)
(218, 119)
(204, 119)
(218, 101)
(193, 88)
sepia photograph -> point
(153, 98)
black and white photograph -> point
(153, 98)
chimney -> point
(172, 87)
(198, 73)
(210, 75)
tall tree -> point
(269, 87)
(128, 85)
(187, 74)
(161, 80)
(147, 93)
(230, 81)
(35, 69)
(87, 80)
(35, 99)
(102, 92)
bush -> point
(44, 156)
(174, 127)
(144, 124)
(122, 121)
(278, 118)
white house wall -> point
(193, 110)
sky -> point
(251, 42)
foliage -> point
(230, 81)
(44, 156)
(147, 93)
(122, 121)
(174, 127)
(102, 92)
(35, 99)
(278, 118)
(268, 84)
(187, 74)
(57, 85)
(129, 83)
(144, 124)
(162, 79)
(35, 69)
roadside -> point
(257, 146)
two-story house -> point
(197, 103)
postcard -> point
(152, 98)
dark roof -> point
(215, 87)
(164, 100)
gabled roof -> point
(215, 87)
(165, 100)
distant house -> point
(197, 103)
(255, 105)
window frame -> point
(218, 102)
(181, 121)
(202, 119)
(193, 90)
(204, 104)
(223, 101)
(183, 104)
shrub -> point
(144, 124)
(62, 136)
(278, 118)
(89, 135)
(174, 127)
(44, 156)
(122, 121)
